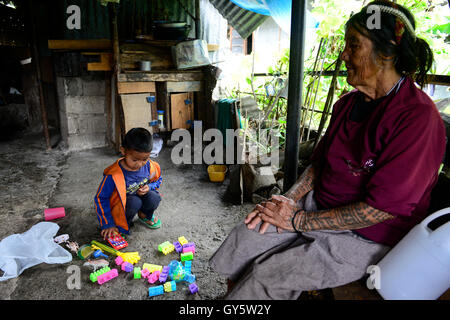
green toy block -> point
(93, 276)
(163, 245)
(187, 256)
(137, 273)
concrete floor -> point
(32, 179)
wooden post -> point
(39, 80)
(116, 72)
(197, 20)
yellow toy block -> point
(168, 249)
(182, 240)
(163, 245)
(167, 287)
(152, 267)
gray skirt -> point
(281, 266)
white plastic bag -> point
(21, 251)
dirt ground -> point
(32, 179)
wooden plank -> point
(136, 87)
(213, 47)
(160, 76)
(184, 86)
(79, 44)
(105, 63)
(180, 111)
(137, 111)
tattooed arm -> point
(303, 185)
(354, 216)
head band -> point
(402, 17)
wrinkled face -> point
(134, 160)
(359, 59)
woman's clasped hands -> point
(277, 211)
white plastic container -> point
(190, 54)
(418, 267)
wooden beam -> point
(105, 63)
(136, 87)
(184, 86)
(137, 76)
(80, 44)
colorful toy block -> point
(127, 267)
(162, 245)
(164, 274)
(137, 273)
(178, 247)
(153, 277)
(105, 277)
(188, 266)
(94, 275)
(154, 291)
(193, 288)
(119, 261)
(187, 256)
(166, 247)
(188, 277)
(189, 247)
(152, 267)
(182, 240)
(170, 286)
(145, 273)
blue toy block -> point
(189, 278)
(154, 291)
(188, 266)
(193, 288)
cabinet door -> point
(137, 111)
(182, 110)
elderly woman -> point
(371, 175)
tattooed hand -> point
(278, 212)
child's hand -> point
(143, 190)
(106, 233)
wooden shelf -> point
(169, 75)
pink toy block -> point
(105, 277)
(54, 213)
(154, 276)
(118, 261)
(145, 273)
(189, 249)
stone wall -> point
(82, 109)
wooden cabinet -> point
(182, 110)
(139, 110)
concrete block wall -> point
(82, 108)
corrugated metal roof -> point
(133, 16)
(244, 21)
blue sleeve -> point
(102, 204)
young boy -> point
(129, 187)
